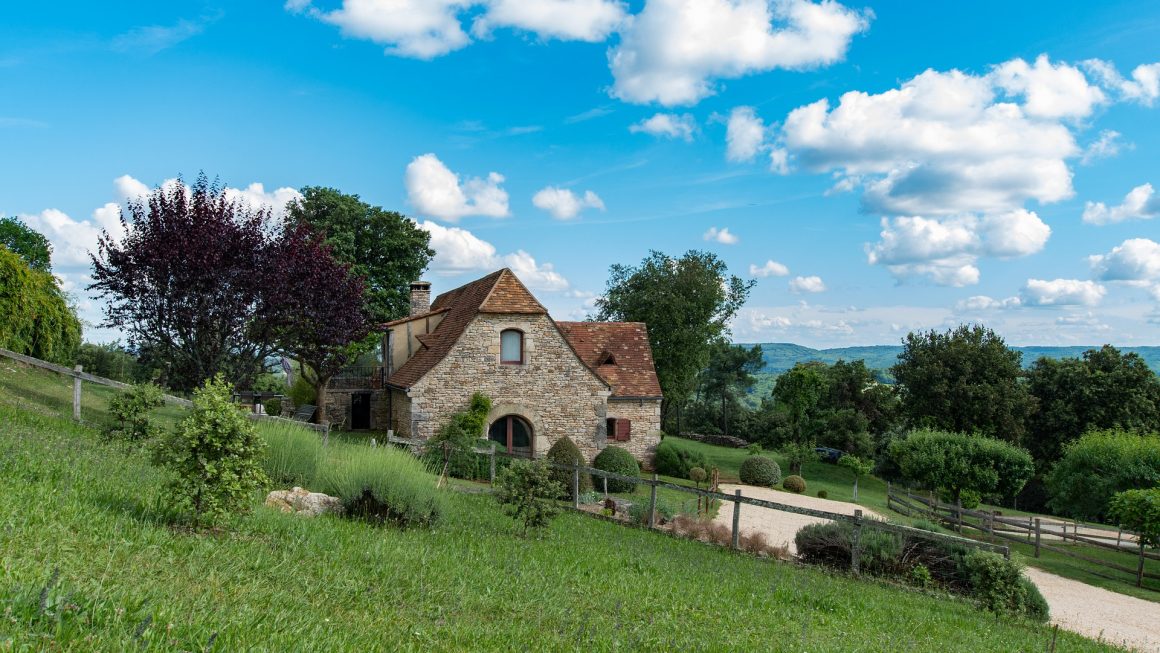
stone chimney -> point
(420, 297)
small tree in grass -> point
(1139, 511)
(525, 489)
(215, 456)
(958, 463)
(858, 467)
(130, 413)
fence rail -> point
(737, 499)
(1029, 531)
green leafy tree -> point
(1097, 466)
(27, 243)
(686, 302)
(130, 410)
(957, 463)
(857, 467)
(731, 371)
(35, 317)
(1138, 511)
(112, 361)
(965, 380)
(798, 393)
(526, 491)
(1105, 389)
(215, 456)
(385, 248)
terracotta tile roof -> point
(404, 320)
(619, 352)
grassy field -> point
(90, 560)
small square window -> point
(511, 347)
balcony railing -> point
(360, 377)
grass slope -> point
(124, 578)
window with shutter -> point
(619, 429)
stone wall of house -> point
(553, 390)
(646, 425)
(400, 412)
(338, 408)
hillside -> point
(92, 563)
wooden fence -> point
(857, 520)
(1031, 531)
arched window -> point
(513, 434)
(511, 347)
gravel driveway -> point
(1090, 611)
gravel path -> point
(1090, 611)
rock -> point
(304, 502)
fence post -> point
(77, 393)
(1140, 568)
(652, 503)
(888, 497)
(1037, 533)
(1119, 535)
(491, 467)
(959, 513)
(575, 485)
(990, 526)
(856, 542)
(605, 479)
(1029, 527)
(1007, 552)
(736, 521)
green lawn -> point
(89, 561)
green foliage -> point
(687, 303)
(965, 380)
(794, 483)
(129, 411)
(383, 485)
(955, 462)
(1105, 389)
(618, 461)
(565, 452)
(273, 406)
(754, 449)
(35, 318)
(526, 491)
(698, 475)
(665, 511)
(302, 392)
(998, 585)
(797, 454)
(671, 459)
(112, 361)
(27, 243)
(760, 471)
(453, 444)
(1097, 466)
(292, 454)
(214, 455)
(856, 465)
(728, 375)
(822, 494)
(1139, 511)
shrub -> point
(671, 459)
(760, 471)
(565, 452)
(822, 494)
(920, 576)
(998, 585)
(1138, 510)
(698, 475)
(638, 511)
(956, 463)
(794, 483)
(754, 449)
(130, 413)
(293, 454)
(302, 392)
(1097, 466)
(618, 461)
(525, 489)
(826, 544)
(214, 454)
(590, 498)
(454, 444)
(382, 485)
(273, 406)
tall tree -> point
(1105, 389)
(964, 380)
(316, 313)
(687, 303)
(731, 370)
(799, 392)
(27, 243)
(35, 317)
(186, 280)
(385, 248)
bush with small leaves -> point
(382, 485)
(671, 459)
(754, 449)
(760, 471)
(794, 483)
(1139, 511)
(698, 475)
(665, 511)
(130, 412)
(565, 452)
(526, 491)
(998, 585)
(822, 494)
(273, 406)
(618, 461)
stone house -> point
(591, 381)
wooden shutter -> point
(619, 429)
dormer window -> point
(511, 347)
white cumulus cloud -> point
(668, 125)
(744, 134)
(1062, 292)
(1141, 203)
(563, 204)
(985, 303)
(722, 235)
(1143, 87)
(1050, 90)
(458, 251)
(571, 20)
(1105, 147)
(770, 268)
(812, 284)
(673, 50)
(423, 29)
(256, 197)
(1134, 260)
(434, 190)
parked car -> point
(829, 454)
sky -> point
(876, 167)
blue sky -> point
(876, 166)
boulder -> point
(304, 502)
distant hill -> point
(781, 356)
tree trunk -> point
(855, 488)
(320, 389)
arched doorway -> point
(514, 435)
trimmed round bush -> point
(618, 461)
(822, 494)
(761, 471)
(671, 459)
(565, 452)
(999, 585)
(794, 483)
